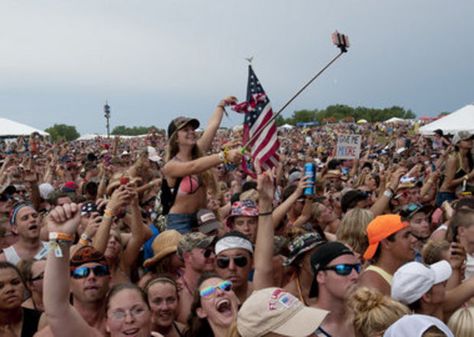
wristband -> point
(265, 213)
(388, 193)
(226, 156)
(221, 106)
(221, 156)
(58, 236)
(108, 213)
(57, 240)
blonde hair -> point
(433, 250)
(374, 312)
(461, 322)
(352, 230)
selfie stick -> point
(342, 42)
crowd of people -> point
(168, 234)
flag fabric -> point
(258, 111)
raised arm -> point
(263, 254)
(117, 200)
(176, 168)
(138, 237)
(384, 199)
(213, 124)
(63, 319)
(282, 209)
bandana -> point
(231, 242)
(16, 209)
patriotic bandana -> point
(16, 209)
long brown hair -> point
(207, 176)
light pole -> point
(107, 117)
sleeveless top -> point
(12, 256)
(30, 322)
(386, 276)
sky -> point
(154, 60)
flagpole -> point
(259, 131)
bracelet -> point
(84, 242)
(221, 156)
(58, 236)
(226, 156)
(388, 193)
(266, 213)
(108, 213)
(221, 106)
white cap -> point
(152, 154)
(414, 279)
(415, 326)
(45, 190)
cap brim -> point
(442, 270)
(303, 323)
(157, 258)
(370, 251)
(207, 242)
(193, 122)
(209, 227)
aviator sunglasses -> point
(344, 269)
(224, 261)
(83, 272)
(224, 286)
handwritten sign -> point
(348, 146)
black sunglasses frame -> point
(223, 262)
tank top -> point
(386, 276)
(12, 256)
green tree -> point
(131, 131)
(62, 132)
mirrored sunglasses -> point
(224, 286)
(83, 272)
(344, 269)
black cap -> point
(179, 123)
(323, 255)
(408, 211)
(350, 199)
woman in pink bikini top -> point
(185, 160)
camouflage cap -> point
(194, 240)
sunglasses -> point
(344, 269)
(37, 277)
(224, 261)
(207, 253)
(83, 272)
(224, 286)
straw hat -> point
(164, 244)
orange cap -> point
(381, 228)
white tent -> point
(9, 128)
(459, 120)
(396, 120)
(287, 126)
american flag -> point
(258, 111)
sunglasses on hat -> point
(83, 272)
(344, 269)
(224, 286)
(224, 261)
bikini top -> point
(189, 184)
